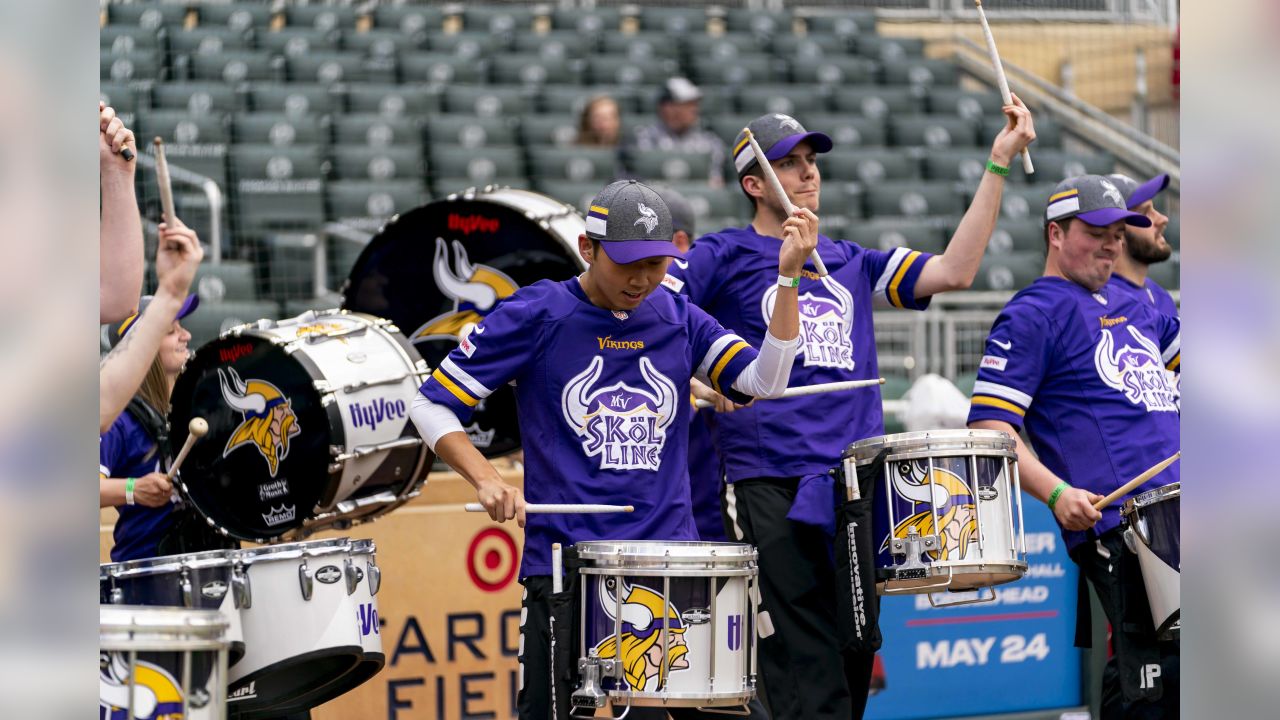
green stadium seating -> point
(441, 68)
(467, 44)
(124, 39)
(479, 165)
(556, 44)
(321, 17)
(178, 127)
(367, 204)
(623, 70)
(847, 131)
(815, 47)
(271, 162)
(555, 130)
(121, 96)
(497, 19)
(408, 19)
(1017, 236)
(149, 16)
(376, 130)
(834, 71)
(965, 166)
(1025, 202)
(725, 48)
(577, 194)
(237, 66)
(1166, 274)
(847, 24)
(534, 69)
(211, 319)
(385, 162)
(279, 129)
(384, 42)
(572, 98)
(294, 307)
(472, 130)
(868, 165)
(889, 50)
(333, 67)
(743, 70)
(875, 100)
(1048, 132)
(295, 41)
(197, 97)
(488, 100)
(797, 101)
(921, 72)
(588, 21)
(913, 199)
(579, 164)
(392, 100)
(669, 166)
(132, 66)
(673, 20)
(968, 104)
(235, 15)
(932, 131)
(1008, 272)
(294, 98)
(1054, 165)
(763, 23)
(228, 280)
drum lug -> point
(240, 587)
(349, 571)
(324, 388)
(590, 694)
(912, 546)
(305, 581)
(117, 596)
(374, 574)
(185, 584)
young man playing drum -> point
(1086, 370)
(777, 454)
(601, 366)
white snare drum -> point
(1154, 520)
(175, 659)
(948, 515)
(693, 602)
(308, 425)
(300, 623)
(204, 580)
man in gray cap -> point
(601, 366)
(1144, 247)
(677, 128)
(777, 454)
(1085, 369)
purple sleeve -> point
(721, 356)
(111, 448)
(497, 351)
(700, 274)
(1009, 374)
(893, 277)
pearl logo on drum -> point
(696, 616)
(329, 574)
(369, 415)
(214, 590)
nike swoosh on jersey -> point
(1006, 345)
(683, 264)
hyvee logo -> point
(370, 414)
(235, 352)
(472, 223)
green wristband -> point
(1057, 491)
(1000, 170)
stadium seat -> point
(875, 100)
(179, 127)
(835, 71)
(294, 307)
(797, 101)
(1166, 274)
(813, 47)
(228, 280)
(556, 130)
(321, 17)
(727, 126)
(207, 40)
(479, 165)
(708, 201)
(725, 48)
(921, 72)
(345, 248)
(669, 166)
(889, 234)
(206, 159)
(293, 99)
(467, 44)
(967, 104)
(1015, 236)
(270, 162)
(288, 263)
(847, 131)
(121, 96)
(673, 20)
(123, 39)
(387, 162)
(716, 100)
(534, 69)
(138, 65)
(368, 204)
(237, 66)
(211, 319)
(556, 44)
(1173, 231)
(236, 15)
(149, 16)
(623, 70)
(473, 130)
(559, 99)
(965, 166)
(387, 42)
(497, 19)
(341, 67)
(295, 41)
(577, 194)
(1008, 272)
(889, 50)
(1025, 202)
(913, 199)
(867, 165)
(441, 68)
(744, 70)
(1054, 165)
(932, 131)
(488, 100)
(846, 24)
(197, 98)
(279, 129)
(264, 206)
(762, 23)
(408, 19)
(587, 21)
(579, 164)
(393, 100)
(376, 130)
(1048, 132)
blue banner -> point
(1011, 655)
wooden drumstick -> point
(801, 390)
(1137, 482)
(1001, 80)
(162, 178)
(196, 430)
(563, 509)
(771, 178)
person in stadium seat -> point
(1143, 247)
(600, 123)
(120, 261)
(679, 106)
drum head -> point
(439, 269)
(265, 461)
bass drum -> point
(438, 270)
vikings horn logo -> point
(1112, 193)
(648, 217)
(639, 647)
(474, 289)
(624, 426)
(269, 420)
(949, 494)
(1136, 372)
(787, 122)
(826, 324)
(155, 692)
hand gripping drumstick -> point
(197, 428)
(772, 178)
(801, 390)
(1001, 80)
(565, 509)
(162, 178)
(1137, 482)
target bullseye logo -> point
(492, 559)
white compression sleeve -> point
(433, 421)
(767, 375)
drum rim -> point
(1171, 491)
(293, 550)
(612, 550)
(115, 620)
(168, 563)
(973, 439)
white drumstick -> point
(162, 178)
(196, 430)
(1001, 80)
(557, 583)
(772, 178)
(801, 390)
(563, 509)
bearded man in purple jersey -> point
(1143, 247)
(601, 365)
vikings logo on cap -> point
(269, 420)
(648, 217)
(1138, 372)
(826, 324)
(474, 289)
(639, 647)
(156, 694)
(624, 426)
(944, 490)
(788, 122)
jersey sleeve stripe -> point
(463, 396)
(717, 347)
(724, 360)
(983, 387)
(1175, 346)
(104, 471)
(998, 403)
(890, 268)
(473, 386)
(897, 278)
(1173, 364)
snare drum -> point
(203, 580)
(1154, 520)
(176, 660)
(300, 624)
(308, 425)
(948, 514)
(438, 270)
(669, 624)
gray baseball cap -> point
(1092, 198)
(632, 222)
(682, 215)
(776, 134)
(1136, 194)
(679, 90)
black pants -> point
(806, 675)
(535, 701)
(1141, 678)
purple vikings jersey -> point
(1151, 292)
(125, 450)
(603, 399)
(1090, 375)
(733, 275)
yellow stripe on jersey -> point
(996, 402)
(1064, 194)
(598, 209)
(897, 278)
(1173, 364)
(724, 360)
(462, 395)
